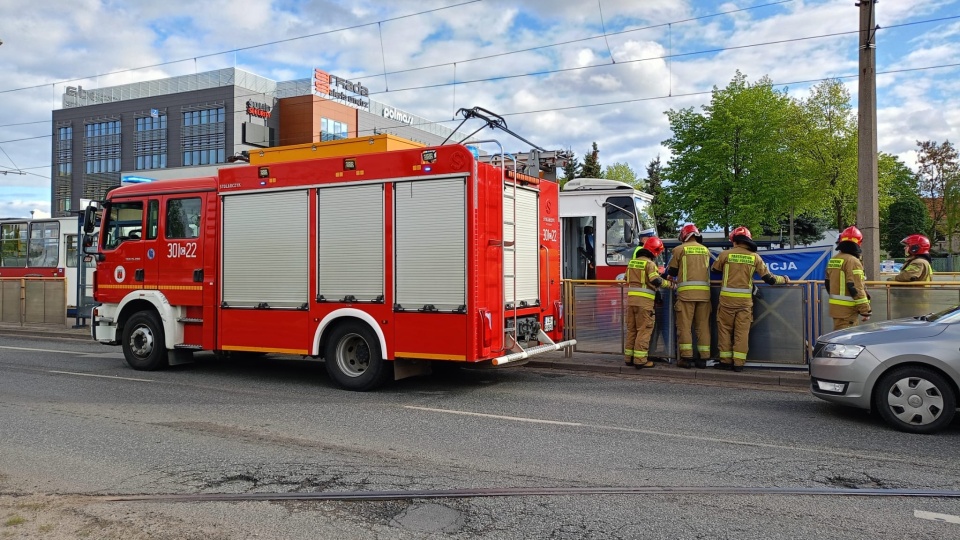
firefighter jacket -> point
(690, 264)
(643, 280)
(916, 269)
(738, 266)
(844, 283)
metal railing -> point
(787, 319)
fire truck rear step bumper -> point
(533, 351)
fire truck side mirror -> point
(90, 245)
(89, 219)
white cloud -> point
(621, 106)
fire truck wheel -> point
(353, 359)
(143, 342)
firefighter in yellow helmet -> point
(643, 280)
(735, 311)
(690, 269)
(844, 282)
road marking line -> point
(484, 415)
(39, 350)
(664, 434)
(932, 516)
(101, 376)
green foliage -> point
(897, 182)
(591, 164)
(906, 216)
(728, 163)
(937, 178)
(623, 173)
(807, 229)
(827, 151)
(571, 169)
(665, 217)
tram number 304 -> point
(187, 251)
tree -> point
(591, 164)
(623, 173)
(807, 229)
(896, 182)
(571, 169)
(827, 149)
(906, 216)
(937, 179)
(665, 218)
(728, 163)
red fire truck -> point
(379, 263)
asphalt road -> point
(77, 422)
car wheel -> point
(353, 358)
(915, 400)
(143, 342)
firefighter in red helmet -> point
(917, 268)
(844, 282)
(735, 310)
(643, 280)
(690, 269)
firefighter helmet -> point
(654, 245)
(917, 244)
(851, 234)
(740, 231)
(687, 231)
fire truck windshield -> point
(124, 221)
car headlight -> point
(837, 350)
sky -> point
(563, 73)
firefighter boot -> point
(685, 363)
(738, 369)
(701, 363)
(648, 364)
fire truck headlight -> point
(548, 323)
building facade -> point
(102, 135)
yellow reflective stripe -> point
(683, 271)
(693, 288)
(628, 352)
(649, 295)
(740, 355)
(704, 349)
(859, 272)
(735, 295)
(685, 346)
(863, 300)
(726, 354)
(839, 302)
(640, 354)
(726, 271)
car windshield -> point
(947, 316)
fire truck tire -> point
(353, 358)
(143, 342)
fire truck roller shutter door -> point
(353, 358)
(351, 242)
(525, 249)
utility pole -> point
(868, 211)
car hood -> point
(885, 332)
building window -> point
(101, 147)
(203, 137)
(331, 130)
(150, 142)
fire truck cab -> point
(378, 262)
(602, 221)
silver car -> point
(906, 370)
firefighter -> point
(735, 311)
(844, 282)
(690, 269)
(917, 268)
(643, 280)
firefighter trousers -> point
(733, 333)
(839, 323)
(695, 315)
(639, 329)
